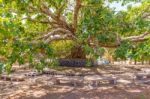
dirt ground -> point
(40, 87)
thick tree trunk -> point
(77, 58)
(77, 52)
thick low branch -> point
(56, 32)
(58, 37)
(61, 22)
(141, 37)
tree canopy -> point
(31, 29)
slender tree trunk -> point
(142, 62)
(135, 62)
(130, 62)
(149, 62)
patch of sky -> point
(117, 6)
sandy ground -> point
(40, 87)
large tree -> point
(87, 25)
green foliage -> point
(122, 51)
(54, 63)
(101, 51)
(8, 67)
(139, 51)
(39, 67)
(62, 48)
(96, 21)
(88, 49)
(88, 63)
(143, 51)
(1, 67)
(107, 37)
(23, 51)
(93, 53)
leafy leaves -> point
(96, 23)
(1, 67)
(122, 51)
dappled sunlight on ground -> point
(40, 87)
(134, 90)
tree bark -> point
(77, 52)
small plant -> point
(54, 63)
(8, 68)
(1, 67)
(88, 63)
(39, 67)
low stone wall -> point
(75, 62)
